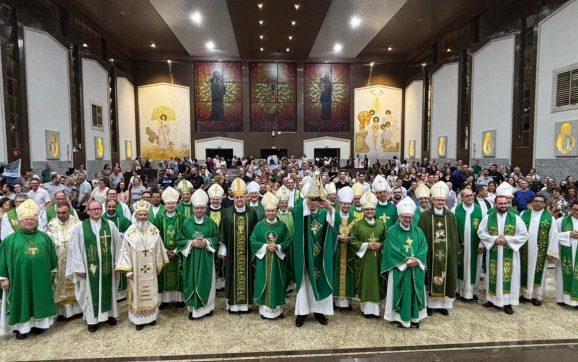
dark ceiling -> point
(133, 24)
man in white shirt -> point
(39, 195)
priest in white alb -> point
(142, 256)
(566, 276)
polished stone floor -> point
(469, 330)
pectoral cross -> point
(171, 233)
(145, 252)
(145, 268)
(105, 238)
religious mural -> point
(566, 134)
(273, 89)
(128, 149)
(164, 121)
(52, 145)
(377, 122)
(98, 148)
(442, 146)
(326, 96)
(489, 143)
(411, 148)
(218, 97)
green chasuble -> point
(152, 215)
(386, 213)
(287, 219)
(27, 259)
(569, 269)
(216, 215)
(417, 215)
(408, 285)
(475, 219)
(185, 209)
(198, 265)
(122, 224)
(171, 277)
(369, 284)
(314, 247)
(236, 229)
(442, 237)
(270, 269)
(259, 210)
(344, 258)
(546, 220)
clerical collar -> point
(251, 204)
(423, 209)
(384, 203)
(63, 222)
(215, 208)
(95, 222)
(230, 198)
(405, 228)
(358, 208)
(109, 215)
(271, 222)
(199, 221)
(240, 209)
(438, 211)
(283, 212)
(186, 203)
(468, 207)
(156, 207)
(370, 222)
(345, 216)
(171, 214)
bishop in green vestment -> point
(27, 262)
(214, 211)
(404, 265)
(286, 217)
(384, 210)
(122, 223)
(441, 231)
(270, 241)
(185, 208)
(197, 242)
(367, 237)
(344, 256)
(253, 189)
(423, 195)
(169, 223)
(237, 224)
(314, 242)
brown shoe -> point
(536, 302)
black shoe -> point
(191, 316)
(37, 330)
(92, 328)
(60, 318)
(475, 298)
(153, 323)
(320, 318)
(139, 327)
(429, 312)
(163, 305)
(210, 314)
(536, 302)
(111, 321)
(399, 325)
(21, 336)
(488, 304)
(414, 325)
(444, 312)
(281, 316)
(508, 309)
(300, 320)
(524, 300)
(180, 304)
(367, 316)
(561, 304)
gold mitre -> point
(422, 191)
(358, 189)
(141, 205)
(368, 200)
(170, 194)
(200, 198)
(440, 190)
(28, 208)
(239, 187)
(269, 201)
(283, 194)
(215, 191)
(185, 186)
(316, 190)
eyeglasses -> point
(95, 209)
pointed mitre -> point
(505, 189)
(170, 194)
(330, 188)
(215, 191)
(141, 205)
(368, 200)
(380, 184)
(406, 206)
(283, 194)
(28, 208)
(269, 201)
(200, 198)
(440, 190)
(238, 187)
(185, 186)
(422, 191)
(358, 189)
(345, 194)
(253, 187)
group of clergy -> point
(331, 247)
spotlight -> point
(389, 48)
(337, 47)
(261, 49)
(196, 17)
(260, 22)
(296, 6)
(261, 36)
(260, 6)
(153, 45)
(210, 45)
(355, 21)
(290, 37)
(293, 22)
(85, 45)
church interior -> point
(92, 83)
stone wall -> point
(557, 168)
(61, 167)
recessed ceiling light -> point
(389, 48)
(337, 47)
(111, 60)
(260, 22)
(85, 45)
(153, 45)
(296, 6)
(260, 5)
(293, 22)
(261, 49)
(371, 64)
(261, 36)
(290, 37)
(448, 50)
(196, 17)
(423, 64)
(210, 45)
(287, 49)
(355, 21)
(169, 61)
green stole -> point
(185, 209)
(96, 266)
(439, 255)
(475, 218)
(569, 277)
(543, 241)
(170, 278)
(13, 219)
(152, 215)
(507, 256)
